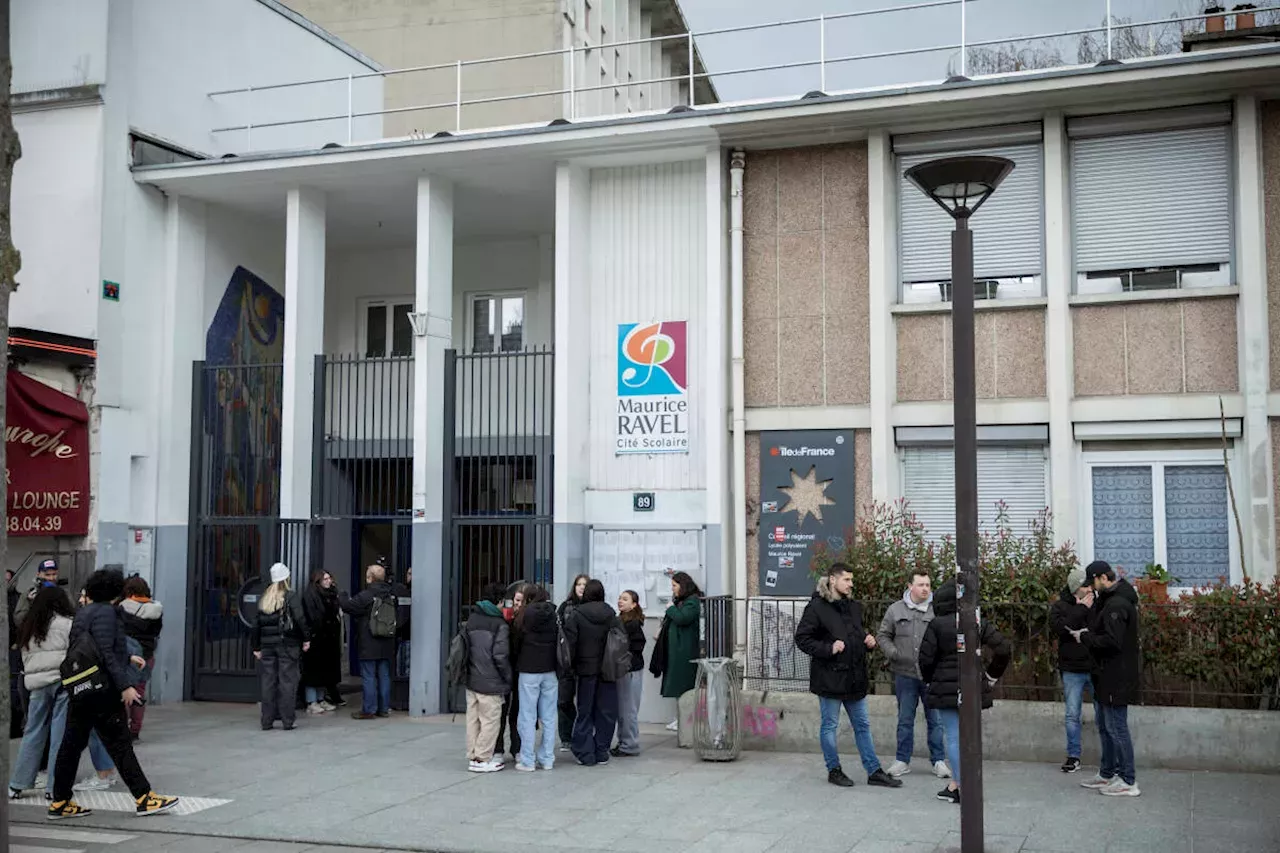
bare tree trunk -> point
(10, 263)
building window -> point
(1151, 200)
(497, 322)
(1008, 230)
(1010, 478)
(387, 330)
(1173, 511)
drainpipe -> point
(736, 165)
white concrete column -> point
(1059, 343)
(180, 345)
(303, 341)
(1254, 495)
(716, 377)
(572, 371)
(433, 303)
(882, 254)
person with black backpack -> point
(587, 631)
(95, 676)
(375, 610)
(280, 636)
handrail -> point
(696, 70)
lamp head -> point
(960, 185)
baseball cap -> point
(1097, 567)
(49, 565)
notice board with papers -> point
(644, 560)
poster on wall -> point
(643, 561)
(653, 388)
(806, 498)
(47, 441)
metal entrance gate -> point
(497, 475)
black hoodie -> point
(940, 660)
(534, 635)
(585, 630)
(1066, 615)
(1112, 639)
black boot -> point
(883, 780)
(837, 777)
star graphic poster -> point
(806, 498)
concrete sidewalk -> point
(402, 784)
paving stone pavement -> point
(401, 784)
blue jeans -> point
(375, 686)
(856, 709)
(911, 692)
(1117, 743)
(539, 693)
(98, 754)
(951, 728)
(314, 695)
(46, 720)
(1073, 685)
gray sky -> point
(913, 28)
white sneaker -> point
(1099, 782)
(673, 726)
(941, 770)
(497, 763)
(486, 766)
(1121, 788)
(474, 766)
(327, 706)
(314, 709)
(524, 768)
(898, 768)
(94, 782)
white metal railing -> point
(823, 61)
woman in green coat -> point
(682, 638)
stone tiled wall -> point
(861, 496)
(1008, 355)
(1168, 347)
(1271, 202)
(805, 292)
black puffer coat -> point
(1112, 639)
(940, 661)
(269, 628)
(585, 630)
(1066, 615)
(828, 618)
(102, 621)
(534, 637)
(488, 635)
(636, 642)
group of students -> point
(85, 671)
(534, 667)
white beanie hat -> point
(279, 572)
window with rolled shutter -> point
(1014, 475)
(1151, 204)
(1008, 231)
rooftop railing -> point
(1112, 41)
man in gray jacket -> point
(899, 639)
(488, 678)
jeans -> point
(106, 716)
(314, 695)
(278, 674)
(375, 686)
(630, 689)
(856, 709)
(1073, 684)
(539, 695)
(596, 720)
(46, 720)
(911, 692)
(951, 727)
(97, 754)
(1117, 742)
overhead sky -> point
(937, 27)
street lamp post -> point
(960, 185)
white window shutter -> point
(1008, 231)
(1151, 199)
(1017, 475)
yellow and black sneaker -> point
(65, 809)
(154, 803)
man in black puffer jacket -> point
(104, 710)
(488, 678)
(585, 631)
(1112, 640)
(831, 633)
(940, 668)
(1071, 613)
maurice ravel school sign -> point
(653, 388)
(47, 447)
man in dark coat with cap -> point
(1112, 639)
